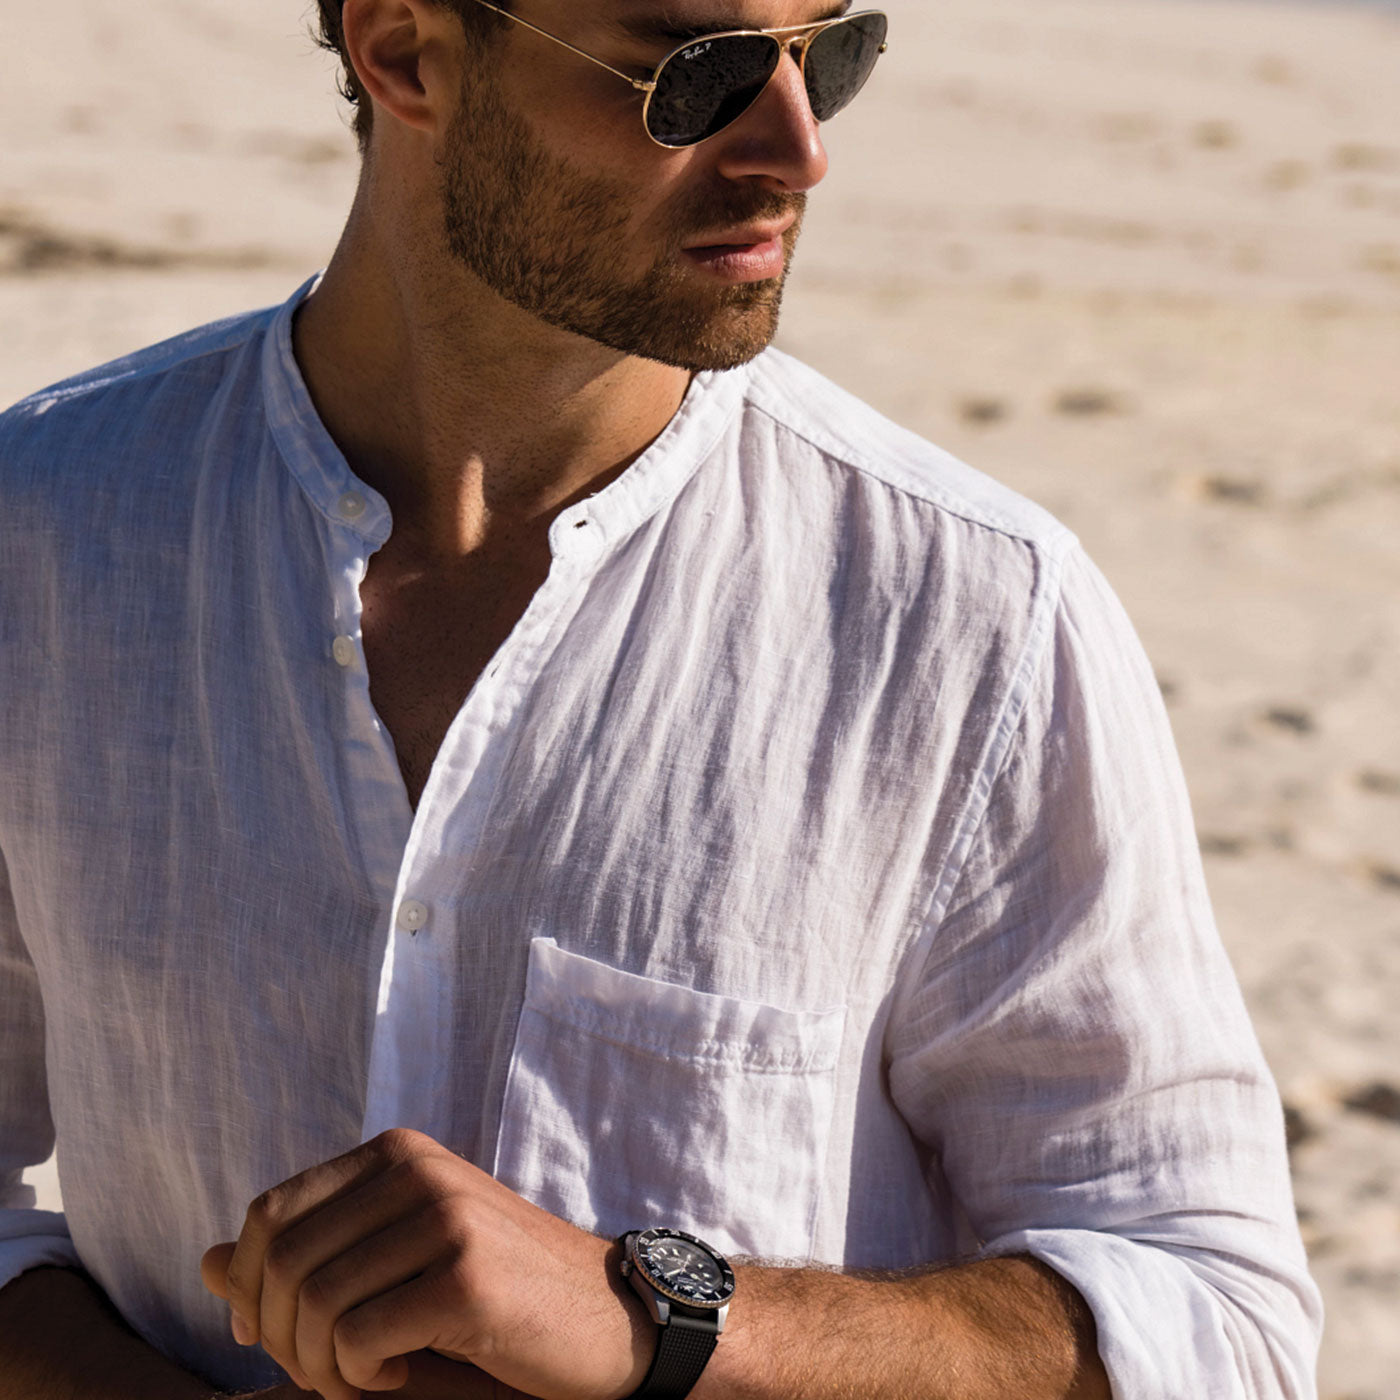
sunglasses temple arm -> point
(563, 44)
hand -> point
(433, 1377)
(401, 1246)
(430, 1377)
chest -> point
(430, 632)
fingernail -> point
(243, 1333)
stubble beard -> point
(549, 238)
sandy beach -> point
(1139, 259)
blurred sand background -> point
(1140, 259)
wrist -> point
(773, 1335)
(746, 1351)
(635, 1334)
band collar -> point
(710, 405)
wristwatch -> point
(686, 1286)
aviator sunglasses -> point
(710, 81)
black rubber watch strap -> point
(683, 1347)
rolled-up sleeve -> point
(1076, 1052)
(28, 1237)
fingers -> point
(394, 1324)
(371, 1238)
(380, 1265)
(434, 1377)
(279, 1245)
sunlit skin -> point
(433, 383)
(479, 418)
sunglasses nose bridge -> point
(796, 47)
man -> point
(495, 763)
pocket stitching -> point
(818, 1061)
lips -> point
(751, 236)
(745, 262)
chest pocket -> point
(634, 1102)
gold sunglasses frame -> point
(803, 35)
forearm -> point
(999, 1329)
(60, 1339)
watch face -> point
(684, 1268)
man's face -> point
(558, 201)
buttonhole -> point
(579, 524)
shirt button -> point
(412, 915)
(343, 649)
(352, 505)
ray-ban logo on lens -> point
(697, 51)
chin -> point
(718, 341)
(700, 358)
(670, 324)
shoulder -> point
(124, 407)
(854, 438)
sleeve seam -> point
(996, 757)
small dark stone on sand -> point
(1288, 717)
(1235, 490)
(1296, 1127)
(1379, 1100)
(1386, 876)
(1088, 403)
(1214, 844)
(983, 411)
(1384, 784)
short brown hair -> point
(330, 35)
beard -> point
(552, 239)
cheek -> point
(579, 111)
(666, 195)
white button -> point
(343, 649)
(352, 505)
(412, 915)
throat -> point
(429, 635)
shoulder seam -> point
(996, 756)
(69, 390)
(1056, 541)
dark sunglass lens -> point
(707, 85)
(840, 59)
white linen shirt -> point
(811, 869)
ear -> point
(406, 54)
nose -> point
(777, 141)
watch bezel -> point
(661, 1232)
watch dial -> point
(685, 1270)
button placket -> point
(414, 1023)
(351, 508)
(412, 915)
(381, 814)
(352, 505)
(577, 540)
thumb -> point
(213, 1269)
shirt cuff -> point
(34, 1239)
(1176, 1321)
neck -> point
(470, 416)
